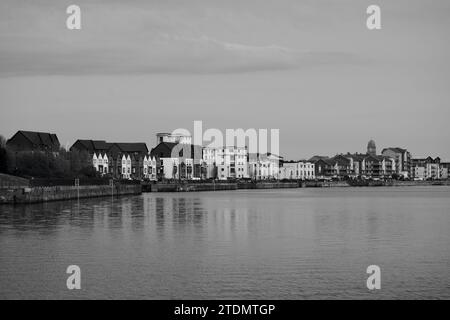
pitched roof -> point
(94, 145)
(169, 146)
(395, 149)
(40, 139)
(340, 159)
(136, 147)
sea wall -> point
(220, 186)
(43, 194)
(268, 185)
(187, 187)
(373, 183)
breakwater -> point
(56, 193)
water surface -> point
(261, 244)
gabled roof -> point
(395, 149)
(325, 160)
(166, 149)
(136, 147)
(93, 145)
(39, 139)
(340, 160)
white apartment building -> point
(226, 163)
(297, 170)
(264, 166)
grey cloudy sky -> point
(310, 68)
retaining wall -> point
(43, 194)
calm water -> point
(274, 244)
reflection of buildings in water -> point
(233, 223)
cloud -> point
(141, 38)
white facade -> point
(298, 170)
(100, 163)
(150, 168)
(226, 163)
(264, 167)
(126, 167)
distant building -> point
(91, 146)
(120, 160)
(34, 141)
(378, 166)
(173, 138)
(226, 163)
(323, 167)
(264, 166)
(445, 170)
(402, 160)
(297, 170)
(371, 148)
(126, 160)
(426, 168)
(178, 161)
(100, 163)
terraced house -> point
(120, 160)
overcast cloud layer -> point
(309, 68)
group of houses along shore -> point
(175, 158)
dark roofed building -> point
(91, 146)
(138, 148)
(402, 159)
(34, 141)
(178, 160)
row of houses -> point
(175, 158)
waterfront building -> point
(297, 170)
(150, 168)
(100, 163)
(178, 161)
(445, 168)
(126, 160)
(341, 166)
(91, 146)
(226, 163)
(264, 166)
(426, 168)
(34, 141)
(402, 159)
(323, 167)
(374, 166)
(120, 160)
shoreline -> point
(19, 195)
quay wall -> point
(367, 183)
(208, 186)
(57, 193)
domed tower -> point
(372, 148)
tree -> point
(4, 168)
(2, 141)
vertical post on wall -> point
(77, 185)
(111, 184)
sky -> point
(309, 68)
